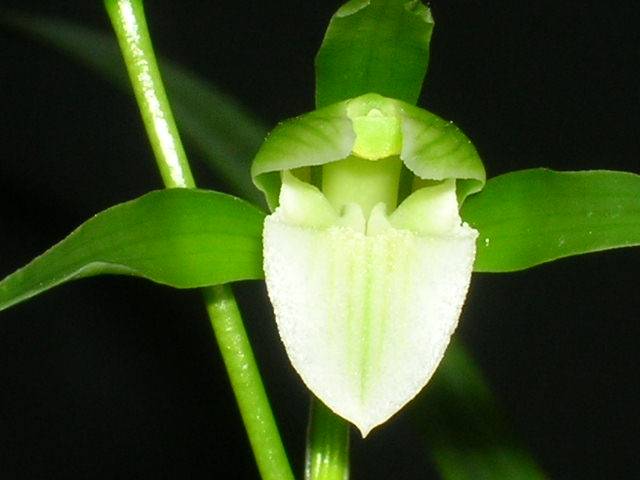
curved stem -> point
(327, 456)
(128, 19)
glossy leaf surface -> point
(379, 46)
(530, 217)
(179, 237)
(216, 126)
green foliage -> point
(182, 238)
(530, 217)
(194, 238)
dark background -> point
(119, 378)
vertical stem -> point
(247, 384)
(327, 455)
(130, 25)
(128, 19)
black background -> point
(118, 378)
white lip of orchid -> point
(365, 306)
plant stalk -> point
(129, 23)
(327, 456)
(244, 375)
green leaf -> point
(216, 126)
(211, 114)
(179, 237)
(530, 217)
(467, 436)
(379, 46)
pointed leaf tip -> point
(530, 217)
(178, 237)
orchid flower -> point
(367, 279)
(379, 214)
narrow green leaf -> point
(466, 434)
(530, 217)
(178, 237)
(216, 126)
(379, 46)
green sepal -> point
(529, 217)
(179, 237)
(377, 46)
(432, 148)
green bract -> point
(367, 292)
(429, 147)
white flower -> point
(366, 294)
(366, 306)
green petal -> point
(530, 217)
(303, 204)
(435, 149)
(429, 211)
(375, 127)
(319, 137)
(183, 238)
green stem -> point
(130, 25)
(128, 19)
(247, 385)
(327, 455)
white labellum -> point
(366, 307)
